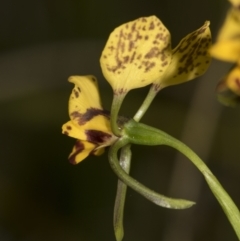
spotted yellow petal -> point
(233, 80)
(85, 105)
(80, 151)
(85, 95)
(227, 46)
(136, 54)
(190, 58)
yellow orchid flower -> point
(136, 54)
(227, 48)
(89, 122)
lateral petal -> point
(190, 58)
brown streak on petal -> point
(88, 115)
(76, 93)
(97, 137)
(79, 148)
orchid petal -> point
(190, 58)
(136, 54)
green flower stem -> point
(144, 135)
(151, 195)
(147, 102)
(125, 162)
(116, 104)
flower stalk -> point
(125, 163)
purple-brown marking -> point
(97, 137)
(89, 114)
(79, 147)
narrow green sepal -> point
(151, 195)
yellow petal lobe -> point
(227, 47)
(80, 151)
(136, 54)
(190, 58)
(72, 130)
(84, 95)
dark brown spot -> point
(79, 147)
(111, 48)
(154, 52)
(152, 26)
(134, 27)
(183, 58)
(97, 137)
(164, 63)
(138, 36)
(130, 36)
(93, 79)
(133, 56)
(130, 46)
(76, 93)
(69, 128)
(122, 46)
(66, 133)
(125, 59)
(159, 36)
(149, 66)
(88, 115)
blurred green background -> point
(43, 197)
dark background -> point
(43, 197)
